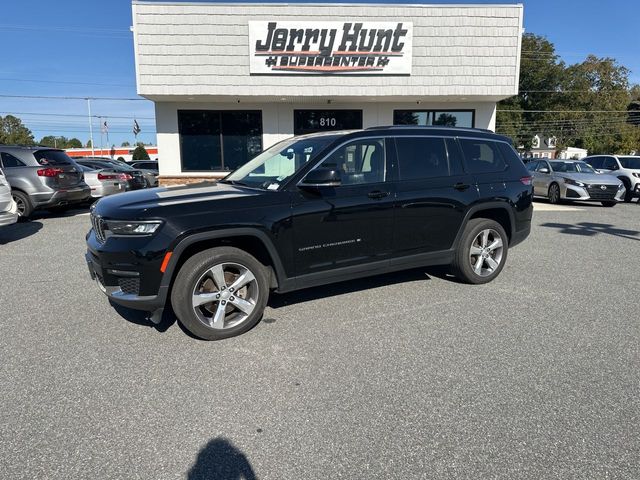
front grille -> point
(97, 223)
(129, 285)
(596, 192)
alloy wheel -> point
(486, 251)
(225, 296)
(554, 194)
(20, 205)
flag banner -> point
(136, 127)
(104, 128)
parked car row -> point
(47, 178)
(605, 179)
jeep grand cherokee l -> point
(308, 211)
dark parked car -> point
(42, 177)
(308, 211)
(134, 178)
(145, 165)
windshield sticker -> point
(273, 186)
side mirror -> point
(321, 177)
(543, 170)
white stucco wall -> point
(277, 120)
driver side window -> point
(359, 162)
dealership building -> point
(230, 79)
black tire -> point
(628, 194)
(554, 193)
(462, 267)
(25, 207)
(192, 272)
(609, 204)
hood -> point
(597, 178)
(150, 201)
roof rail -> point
(399, 127)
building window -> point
(552, 142)
(213, 140)
(311, 121)
(445, 118)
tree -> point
(89, 144)
(589, 104)
(541, 74)
(125, 144)
(74, 143)
(140, 153)
(14, 132)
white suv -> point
(625, 167)
(8, 208)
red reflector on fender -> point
(165, 262)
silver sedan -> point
(569, 180)
(104, 182)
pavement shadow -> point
(19, 231)
(138, 317)
(221, 460)
(278, 300)
(589, 229)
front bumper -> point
(592, 193)
(122, 287)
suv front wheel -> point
(482, 251)
(220, 292)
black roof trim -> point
(431, 127)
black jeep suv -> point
(312, 210)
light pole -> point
(93, 154)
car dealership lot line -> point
(408, 375)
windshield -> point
(630, 162)
(275, 165)
(572, 167)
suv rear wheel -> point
(220, 292)
(482, 251)
(23, 202)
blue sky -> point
(83, 48)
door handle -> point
(376, 194)
(461, 187)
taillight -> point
(49, 172)
(106, 176)
(526, 180)
(125, 176)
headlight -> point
(573, 182)
(637, 175)
(118, 227)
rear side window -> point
(610, 163)
(595, 162)
(422, 157)
(9, 160)
(52, 157)
(482, 156)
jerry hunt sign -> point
(334, 48)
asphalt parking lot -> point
(410, 375)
